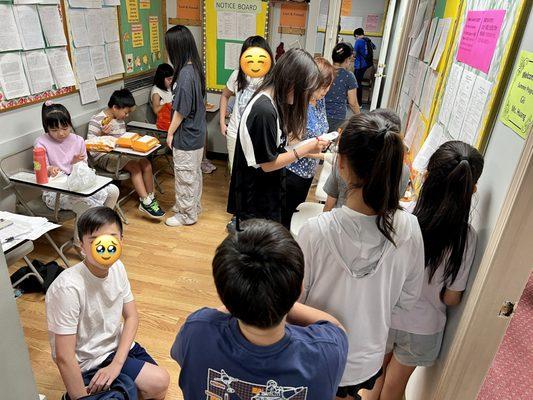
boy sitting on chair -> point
(92, 317)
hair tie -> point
(48, 103)
(383, 131)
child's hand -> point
(103, 379)
(315, 146)
(106, 129)
(169, 141)
(53, 171)
(77, 158)
(223, 128)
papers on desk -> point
(23, 228)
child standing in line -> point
(111, 122)
(366, 259)
(443, 211)
(161, 95)
(343, 91)
(242, 87)
(300, 173)
(64, 149)
(276, 112)
(261, 339)
(336, 188)
(187, 132)
(92, 319)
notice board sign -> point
(227, 24)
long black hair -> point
(443, 207)
(252, 41)
(296, 74)
(162, 72)
(181, 50)
(54, 116)
(374, 151)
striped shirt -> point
(95, 129)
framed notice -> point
(188, 12)
(293, 18)
(227, 24)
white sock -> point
(151, 196)
(146, 201)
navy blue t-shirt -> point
(217, 360)
(337, 97)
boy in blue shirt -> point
(364, 54)
(262, 344)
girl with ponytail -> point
(443, 211)
(365, 259)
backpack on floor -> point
(49, 272)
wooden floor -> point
(170, 274)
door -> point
(381, 68)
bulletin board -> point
(89, 73)
(367, 14)
(466, 99)
(54, 92)
(226, 25)
(142, 27)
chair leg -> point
(157, 184)
(121, 214)
(57, 250)
(34, 271)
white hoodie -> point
(354, 273)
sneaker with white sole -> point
(176, 221)
(152, 209)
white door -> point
(381, 69)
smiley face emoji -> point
(256, 62)
(106, 249)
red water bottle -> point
(39, 165)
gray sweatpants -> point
(188, 184)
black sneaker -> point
(152, 209)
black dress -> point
(253, 192)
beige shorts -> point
(111, 161)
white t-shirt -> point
(241, 99)
(80, 303)
(166, 95)
(354, 273)
(428, 316)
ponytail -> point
(375, 154)
(443, 208)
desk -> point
(58, 186)
(131, 152)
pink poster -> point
(372, 23)
(479, 38)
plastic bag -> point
(81, 178)
(164, 116)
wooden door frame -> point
(502, 276)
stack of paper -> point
(23, 228)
